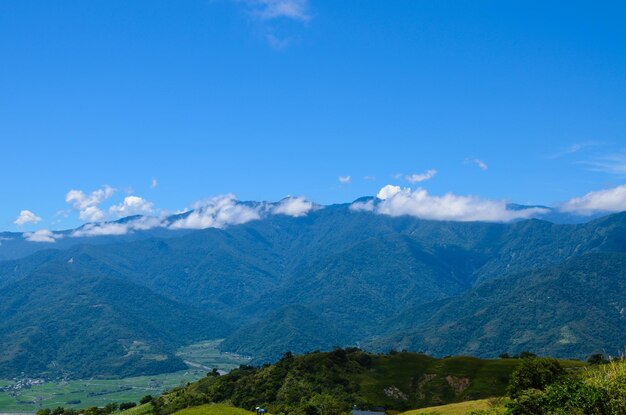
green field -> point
(213, 409)
(462, 408)
(99, 392)
(205, 356)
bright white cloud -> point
(87, 204)
(91, 214)
(293, 206)
(607, 200)
(42, 235)
(275, 9)
(388, 191)
(132, 205)
(217, 212)
(344, 179)
(421, 177)
(394, 201)
(26, 217)
(80, 200)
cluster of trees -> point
(543, 387)
(94, 410)
(317, 383)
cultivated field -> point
(84, 393)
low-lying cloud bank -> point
(217, 212)
(225, 210)
(397, 201)
(607, 200)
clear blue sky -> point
(265, 98)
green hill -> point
(343, 378)
(577, 305)
(63, 320)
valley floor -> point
(20, 396)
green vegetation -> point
(94, 392)
(461, 408)
(334, 277)
(342, 378)
(540, 387)
(213, 409)
(100, 392)
(143, 409)
(206, 356)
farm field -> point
(213, 409)
(98, 392)
(205, 356)
(461, 408)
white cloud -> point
(275, 9)
(154, 184)
(369, 178)
(388, 191)
(91, 214)
(217, 212)
(26, 217)
(363, 206)
(293, 206)
(607, 200)
(132, 205)
(421, 177)
(117, 228)
(344, 179)
(87, 205)
(42, 235)
(481, 164)
(81, 201)
(395, 201)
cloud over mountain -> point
(396, 201)
(293, 206)
(132, 205)
(607, 200)
(217, 212)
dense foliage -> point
(541, 387)
(332, 382)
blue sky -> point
(519, 101)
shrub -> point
(534, 374)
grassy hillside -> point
(213, 409)
(343, 378)
(462, 408)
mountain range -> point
(117, 305)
